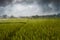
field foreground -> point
(30, 29)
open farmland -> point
(30, 29)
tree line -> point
(36, 16)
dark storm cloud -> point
(55, 2)
(5, 2)
(50, 5)
(48, 1)
(46, 5)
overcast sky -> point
(29, 7)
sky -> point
(29, 7)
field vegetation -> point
(30, 29)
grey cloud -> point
(47, 6)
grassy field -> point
(30, 29)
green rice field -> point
(30, 29)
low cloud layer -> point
(29, 7)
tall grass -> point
(30, 29)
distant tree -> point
(58, 15)
(12, 16)
(4, 16)
(36, 16)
